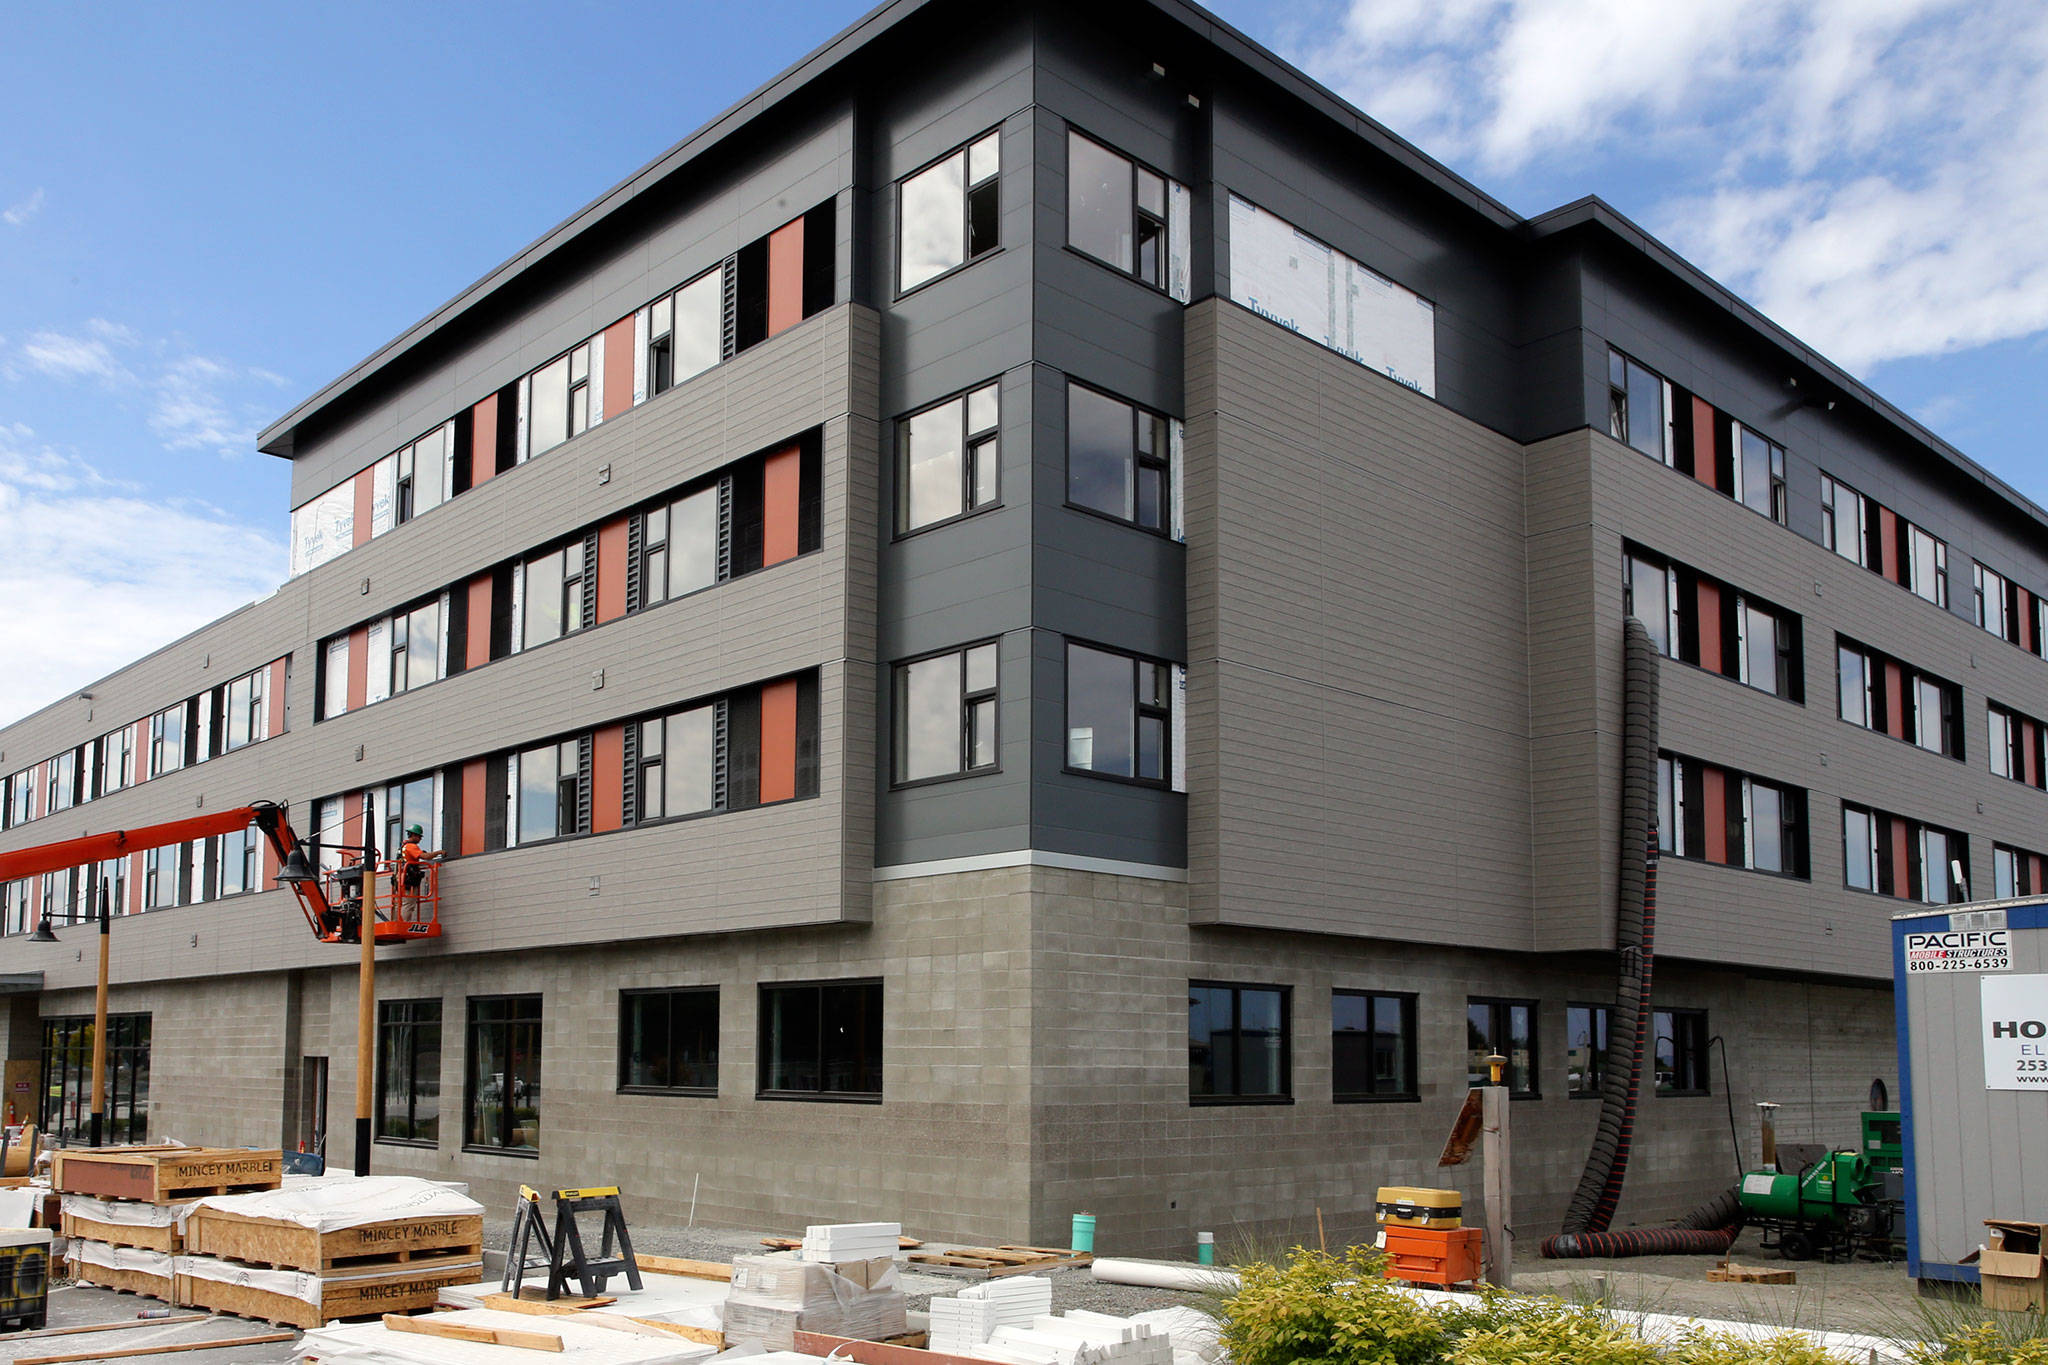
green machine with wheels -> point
(1834, 1204)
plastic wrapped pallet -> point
(772, 1299)
(131, 1268)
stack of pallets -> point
(121, 1205)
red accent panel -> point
(1714, 796)
(611, 566)
(778, 741)
(2030, 741)
(1888, 550)
(478, 645)
(2026, 620)
(1894, 700)
(277, 683)
(358, 667)
(134, 893)
(607, 778)
(2036, 866)
(1703, 442)
(351, 820)
(618, 368)
(366, 488)
(1902, 880)
(483, 441)
(786, 276)
(781, 484)
(473, 799)
(1710, 625)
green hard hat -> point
(414, 831)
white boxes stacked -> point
(1020, 1300)
(961, 1323)
(772, 1299)
(834, 1243)
(1079, 1338)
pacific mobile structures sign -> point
(1960, 950)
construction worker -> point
(412, 860)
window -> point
(501, 1084)
(1864, 531)
(1585, 1050)
(2009, 611)
(163, 877)
(1711, 624)
(2016, 746)
(67, 1078)
(549, 787)
(63, 782)
(1238, 1039)
(1842, 520)
(167, 741)
(237, 861)
(1760, 474)
(1372, 1046)
(678, 768)
(686, 331)
(415, 647)
(247, 710)
(423, 473)
(21, 797)
(1905, 859)
(949, 461)
(1893, 698)
(1680, 1051)
(1119, 458)
(1929, 566)
(409, 1071)
(1506, 1027)
(1119, 714)
(948, 213)
(822, 1040)
(402, 804)
(554, 594)
(1717, 815)
(1639, 407)
(2016, 872)
(558, 403)
(668, 1040)
(679, 547)
(1117, 211)
(334, 678)
(14, 906)
(946, 714)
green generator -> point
(1835, 1204)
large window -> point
(248, 709)
(685, 331)
(117, 761)
(1117, 211)
(679, 548)
(549, 787)
(948, 213)
(668, 1040)
(2017, 872)
(1119, 714)
(2009, 611)
(1506, 1028)
(678, 768)
(1759, 473)
(1894, 698)
(1690, 435)
(501, 1084)
(822, 1040)
(1119, 458)
(554, 594)
(1638, 407)
(422, 473)
(949, 460)
(1238, 1040)
(946, 714)
(409, 1071)
(1703, 621)
(558, 405)
(67, 1078)
(403, 804)
(2016, 746)
(63, 782)
(1865, 532)
(164, 872)
(1680, 1051)
(1585, 1049)
(167, 740)
(1906, 859)
(415, 647)
(1718, 815)
(1372, 1046)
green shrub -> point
(1320, 1309)
(1700, 1347)
(2016, 1341)
(1554, 1334)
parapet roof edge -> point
(1596, 214)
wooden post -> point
(97, 1132)
(366, 990)
(1500, 1247)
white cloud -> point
(72, 357)
(96, 575)
(18, 214)
(1870, 173)
(193, 402)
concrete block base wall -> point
(1035, 1066)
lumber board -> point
(533, 1300)
(122, 1234)
(272, 1241)
(482, 1336)
(1730, 1273)
(136, 1351)
(111, 1327)
(677, 1265)
(875, 1352)
(796, 1243)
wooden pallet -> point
(988, 1263)
(128, 1281)
(122, 1234)
(1727, 1272)
(395, 1242)
(797, 1243)
(166, 1175)
(403, 1293)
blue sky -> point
(216, 209)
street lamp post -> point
(366, 988)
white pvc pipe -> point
(1194, 1279)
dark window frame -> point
(669, 993)
(968, 256)
(1140, 216)
(974, 441)
(970, 697)
(762, 1063)
(129, 1037)
(1499, 1026)
(470, 1097)
(1235, 1096)
(1600, 1019)
(1410, 1090)
(1691, 1045)
(1159, 462)
(1139, 713)
(389, 1024)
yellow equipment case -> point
(1415, 1206)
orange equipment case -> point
(1438, 1256)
